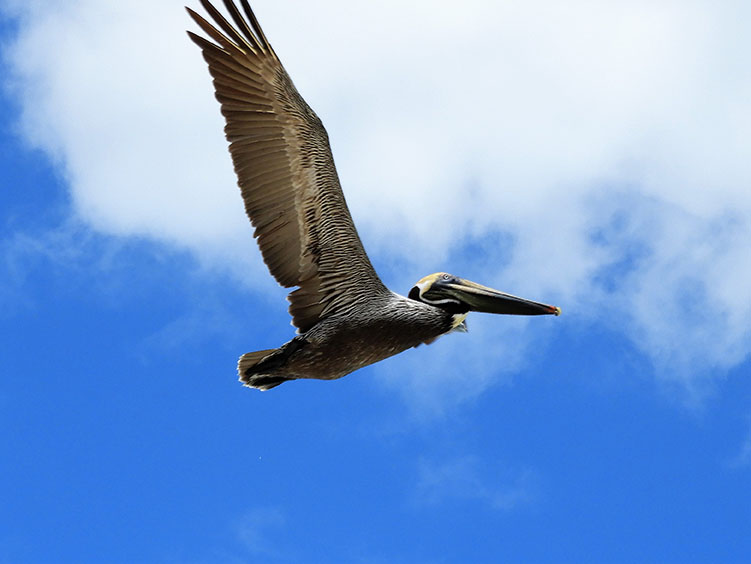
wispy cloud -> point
(59, 249)
(435, 378)
(466, 479)
(258, 532)
(744, 455)
(742, 458)
(606, 147)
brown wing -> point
(286, 173)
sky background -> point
(590, 155)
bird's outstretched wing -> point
(285, 171)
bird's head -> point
(458, 296)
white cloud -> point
(606, 144)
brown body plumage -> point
(346, 318)
(373, 330)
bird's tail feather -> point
(254, 379)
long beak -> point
(482, 298)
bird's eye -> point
(446, 277)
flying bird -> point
(345, 316)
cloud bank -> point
(591, 155)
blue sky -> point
(599, 161)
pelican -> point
(345, 316)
